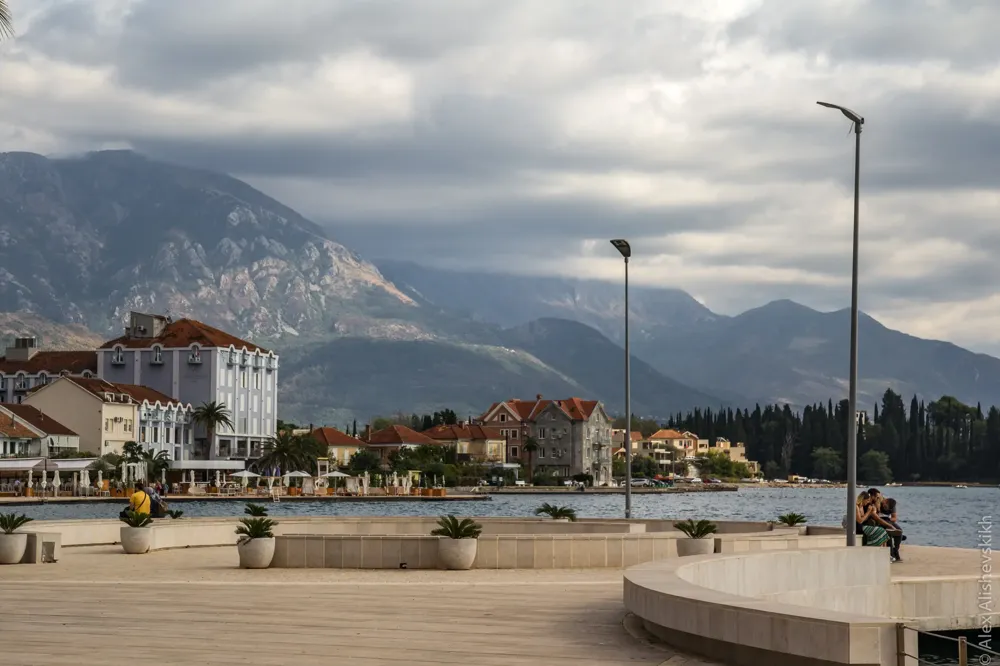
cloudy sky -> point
(520, 135)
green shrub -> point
(453, 528)
(792, 519)
(256, 510)
(136, 519)
(258, 527)
(556, 512)
(10, 522)
(696, 530)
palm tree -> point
(132, 452)
(212, 415)
(156, 463)
(530, 446)
(6, 23)
(290, 452)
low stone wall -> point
(735, 607)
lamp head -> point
(622, 246)
(851, 115)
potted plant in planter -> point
(12, 546)
(554, 512)
(256, 542)
(696, 543)
(136, 536)
(457, 550)
(256, 510)
(792, 519)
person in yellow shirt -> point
(139, 501)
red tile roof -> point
(99, 387)
(52, 362)
(37, 419)
(575, 408)
(668, 434)
(184, 333)
(334, 437)
(11, 428)
(454, 433)
(398, 435)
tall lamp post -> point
(626, 251)
(852, 399)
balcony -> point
(245, 360)
(117, 360)
(156, 360)
(272, 363)
(231, 358)
(21, 385)
(194, 359)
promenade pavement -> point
(194, 606)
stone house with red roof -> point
(395, 437)
(192, 362)
(472, 441)
(573, 435)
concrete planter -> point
(136, 540)
(12, 547)
(691, 546)
(457, 554)
(256, 553)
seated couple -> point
(876, 522)
(145, 500)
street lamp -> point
(626, 251)
(852, 399)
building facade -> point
(102, 415)
(49, 438)
(472, 442)
(24, 367)
(193, 363)
(572, 436)
(339, 445)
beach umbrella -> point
(339, 475)
(100, 478)
(55, 480)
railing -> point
(983, 655)
(118, 360)
(156, 360)
(21, 386)
(194, 359)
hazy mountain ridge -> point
(780, 352)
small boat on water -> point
(961, 486)
(893, 485)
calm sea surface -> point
(929, 516)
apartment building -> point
(194, 363)
(35, 433)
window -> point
(513, 434)
(118, 356)
(513, 452)
(541, 433)
(43, 379)
(157, 354)
(503, 418)
(142, 434)
(243, 378)
(107, 425)
(541, 453)
(256, 379)
(169, 432)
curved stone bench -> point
(818, 607)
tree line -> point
(943, 440)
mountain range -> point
(84, 240)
